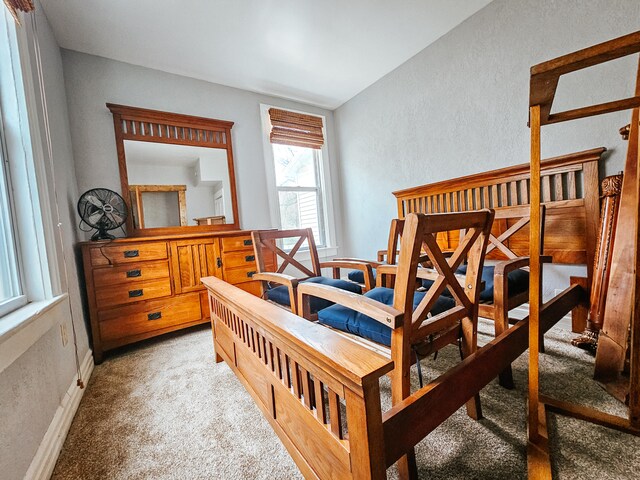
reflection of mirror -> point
(178, 170)
(158, 205)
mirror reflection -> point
(177, 185)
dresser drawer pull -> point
(154, 316)
(251, 274)
(133, 273)
(131, 253)
(249, 258)
(248, 243)
(219, 262)
(135, 293)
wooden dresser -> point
(141, 287)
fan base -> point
(102, 235)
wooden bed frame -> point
(570, 194)
(620, 333)
(288, 364)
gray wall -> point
(34, 385)
(460, 106)
(93, 81)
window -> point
(27, 240)
(299, 189)
(11, 294)
(297, 173)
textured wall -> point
(33, 386)
(461, 106)
(92, 81)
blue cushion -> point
(358, 276)
(518, 282)
(280, 294)
(347, 320)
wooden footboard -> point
(320, 391)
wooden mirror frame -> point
(144, 125)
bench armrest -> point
(380, 312)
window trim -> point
(24, 149)
(324, 180)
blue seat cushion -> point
(358, 276)
(280, 294)
(347, 320)
(517, 280)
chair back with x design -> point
(509, 222)
(270, 240)
(419, 244)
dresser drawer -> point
(242, 242)
(238, 259)
(239, 275)
(149, 316)
(133, 272)
(113, 295)
(119, 254)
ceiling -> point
(320, 52)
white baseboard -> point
(45, 459)
(523, 310)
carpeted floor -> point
(164, 410)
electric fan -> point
(103, 210)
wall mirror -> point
(176, 171)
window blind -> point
(18, 5)
(296, 129)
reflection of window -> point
(297, 172)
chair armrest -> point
(423, 273)
(355, 265)
(281, 278)
(380, 312)
(507, 266)
(373, 263)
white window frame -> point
(11, 235)
(34, 233)
(324, 179)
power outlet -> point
(63, 334)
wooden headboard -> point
(569, 190)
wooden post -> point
(534, 284)
(365, 432)
(401, 336)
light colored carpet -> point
(164, 410)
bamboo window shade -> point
(296, 129)
(19, 5)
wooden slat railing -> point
(318, 389)
(570, 189)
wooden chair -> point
(384, 257)
(507, 282)
(285, 294)
(410, 318)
